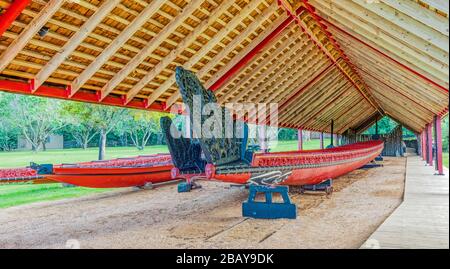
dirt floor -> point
(209, 217)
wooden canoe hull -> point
(117, 173)
(115, 180)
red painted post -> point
(10, 15)
(438, 143)
(321, 140)
(429, 144)
(424, 145)
(300, 139)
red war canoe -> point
(299, 167)
(117, 173)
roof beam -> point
(276, 26)
(203, 26)
(10, 15)
(223, 32)
(81, 96)
(150, 47)
(309, 22)
(74, 42)
(124, 36)
(28, 32)
(262, 63)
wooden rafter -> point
(241, 55)
(150, 47)
(203, 26)
(231, 25)
(124, 36)
(74, 42)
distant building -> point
(53, 142)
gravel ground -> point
(209, 217)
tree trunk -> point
(102, 145)
(44, 148)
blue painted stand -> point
(379, 158)
(184, 187)
(268, 209)
(326, 186)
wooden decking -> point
(422, 220)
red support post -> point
(424, 145)
(429, 144)
(438, 143)
(321, 140)
(300, 139)
(10, 15)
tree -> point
(105, 119)
(83, 126)
(36, 118)
(141, 125)
(8, 132)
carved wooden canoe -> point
(124, 172)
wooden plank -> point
(422, 220)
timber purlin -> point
(388, 57)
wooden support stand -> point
(269, 209)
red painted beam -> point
(438, 143)
(423, 77)
(61, 93)
(10, 15)
(244, 61)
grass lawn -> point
(23, 158)
(445, 159)
(18, 194)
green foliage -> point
(385, 126)
(445, 134)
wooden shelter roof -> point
(350, 61)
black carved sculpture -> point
(186, 153)
(217, 150)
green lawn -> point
(23, 158)
(18, 194)
(445, 159)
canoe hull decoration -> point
(224, 155)
(117, 173)
(310, 169)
